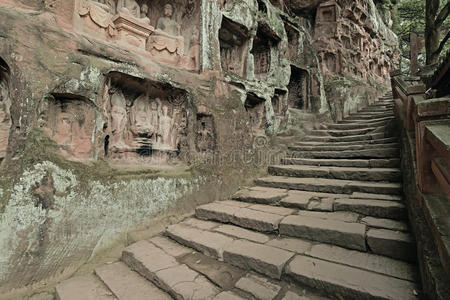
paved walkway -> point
(327, 223)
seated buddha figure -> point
(166, 23)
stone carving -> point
(147, 127)
(205, 133)
(129, 7)
(166, 43)
(256, 112)
(5, 118)
(70, 123)
(233, 44)
(99, 12)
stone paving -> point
(328, 223)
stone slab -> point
(209, 243)
(184, 283)
(374, 208)
(321, 204)
(83, 287)
(291, 244)
(260, 195)
(228, 296)
(242, 233)
(349, 235)
(216, 211)
(263, 259)
(201, 224)
(369, 196)
(350, 283)
(366, 261)
(257, 220)
(259, 287)
(385, 224)
(282, 211)
(128, 285)
(395, 244)
(344, 216)
(170, 247)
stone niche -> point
(206, 132)
(168, 30)
(293, 41)
(146, 121)
(261, 50)
(70, 121)
(298, 88)
(327, 12)
(5, 105)
(234, 40)
(255, 107)
(278, 102)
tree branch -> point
(443, 14)
(442, 44)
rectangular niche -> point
(298, 88)
(70, 122)
(278, 102)
(233, 39)
(262, 44)
(206, 133)
(327, 12)
(255, 107)
(293, 41)
(146, 121)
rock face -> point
(97, 97)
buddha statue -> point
(129, 7)
(167, 24)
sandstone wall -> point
(112, 117)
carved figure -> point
(205, 136)
(100, 12)
(166, 23)
(194, 51)
(166, 127)
(144, 14)
(144, 117)
(129, 7)
(118, 119)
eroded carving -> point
(98, 14)
(5, 105)
(261, 51)
(298, 89)
(233, 44)
(206, 136)
(70, 122)
(256, 112)
(143, 124)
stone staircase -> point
(329, 222)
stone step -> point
(390, 243)
(370, 196)
(260, 195)
(83, 287)
(352, 138)
(348, 282)
(178, 280)
(349, 126)
(329, 185)
(368, 116)
(245, 254)
(343, 147)
(350, 154)
(344, 234)
(359, 163)
(337, 133)
(374, 208)
(347, 173)
(128, 285)
(385, 224)
(388, 140)
(367, 121)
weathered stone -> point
(282, 211)
(292, 296)
(294, 245)
(217, 211)
(209, 243)
(322, 204)
(374, 208)
(357, 195)
(264, 259)
(395, 244)
(347, 281)
(366, 261)
(83, 287)
(220, 273)
(371, 153)
(349, 235)
(170, 247)
(257, 220)
(183, 283)
(259, 287)
(260, 195)
(201, 224)
(235, 203)
(228, 296)
(146, 258)
(126, 284)
(344, 216)
(242, 233)
(385, 224)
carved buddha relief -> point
(143, 124)
(70, 122)
(206, 139)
